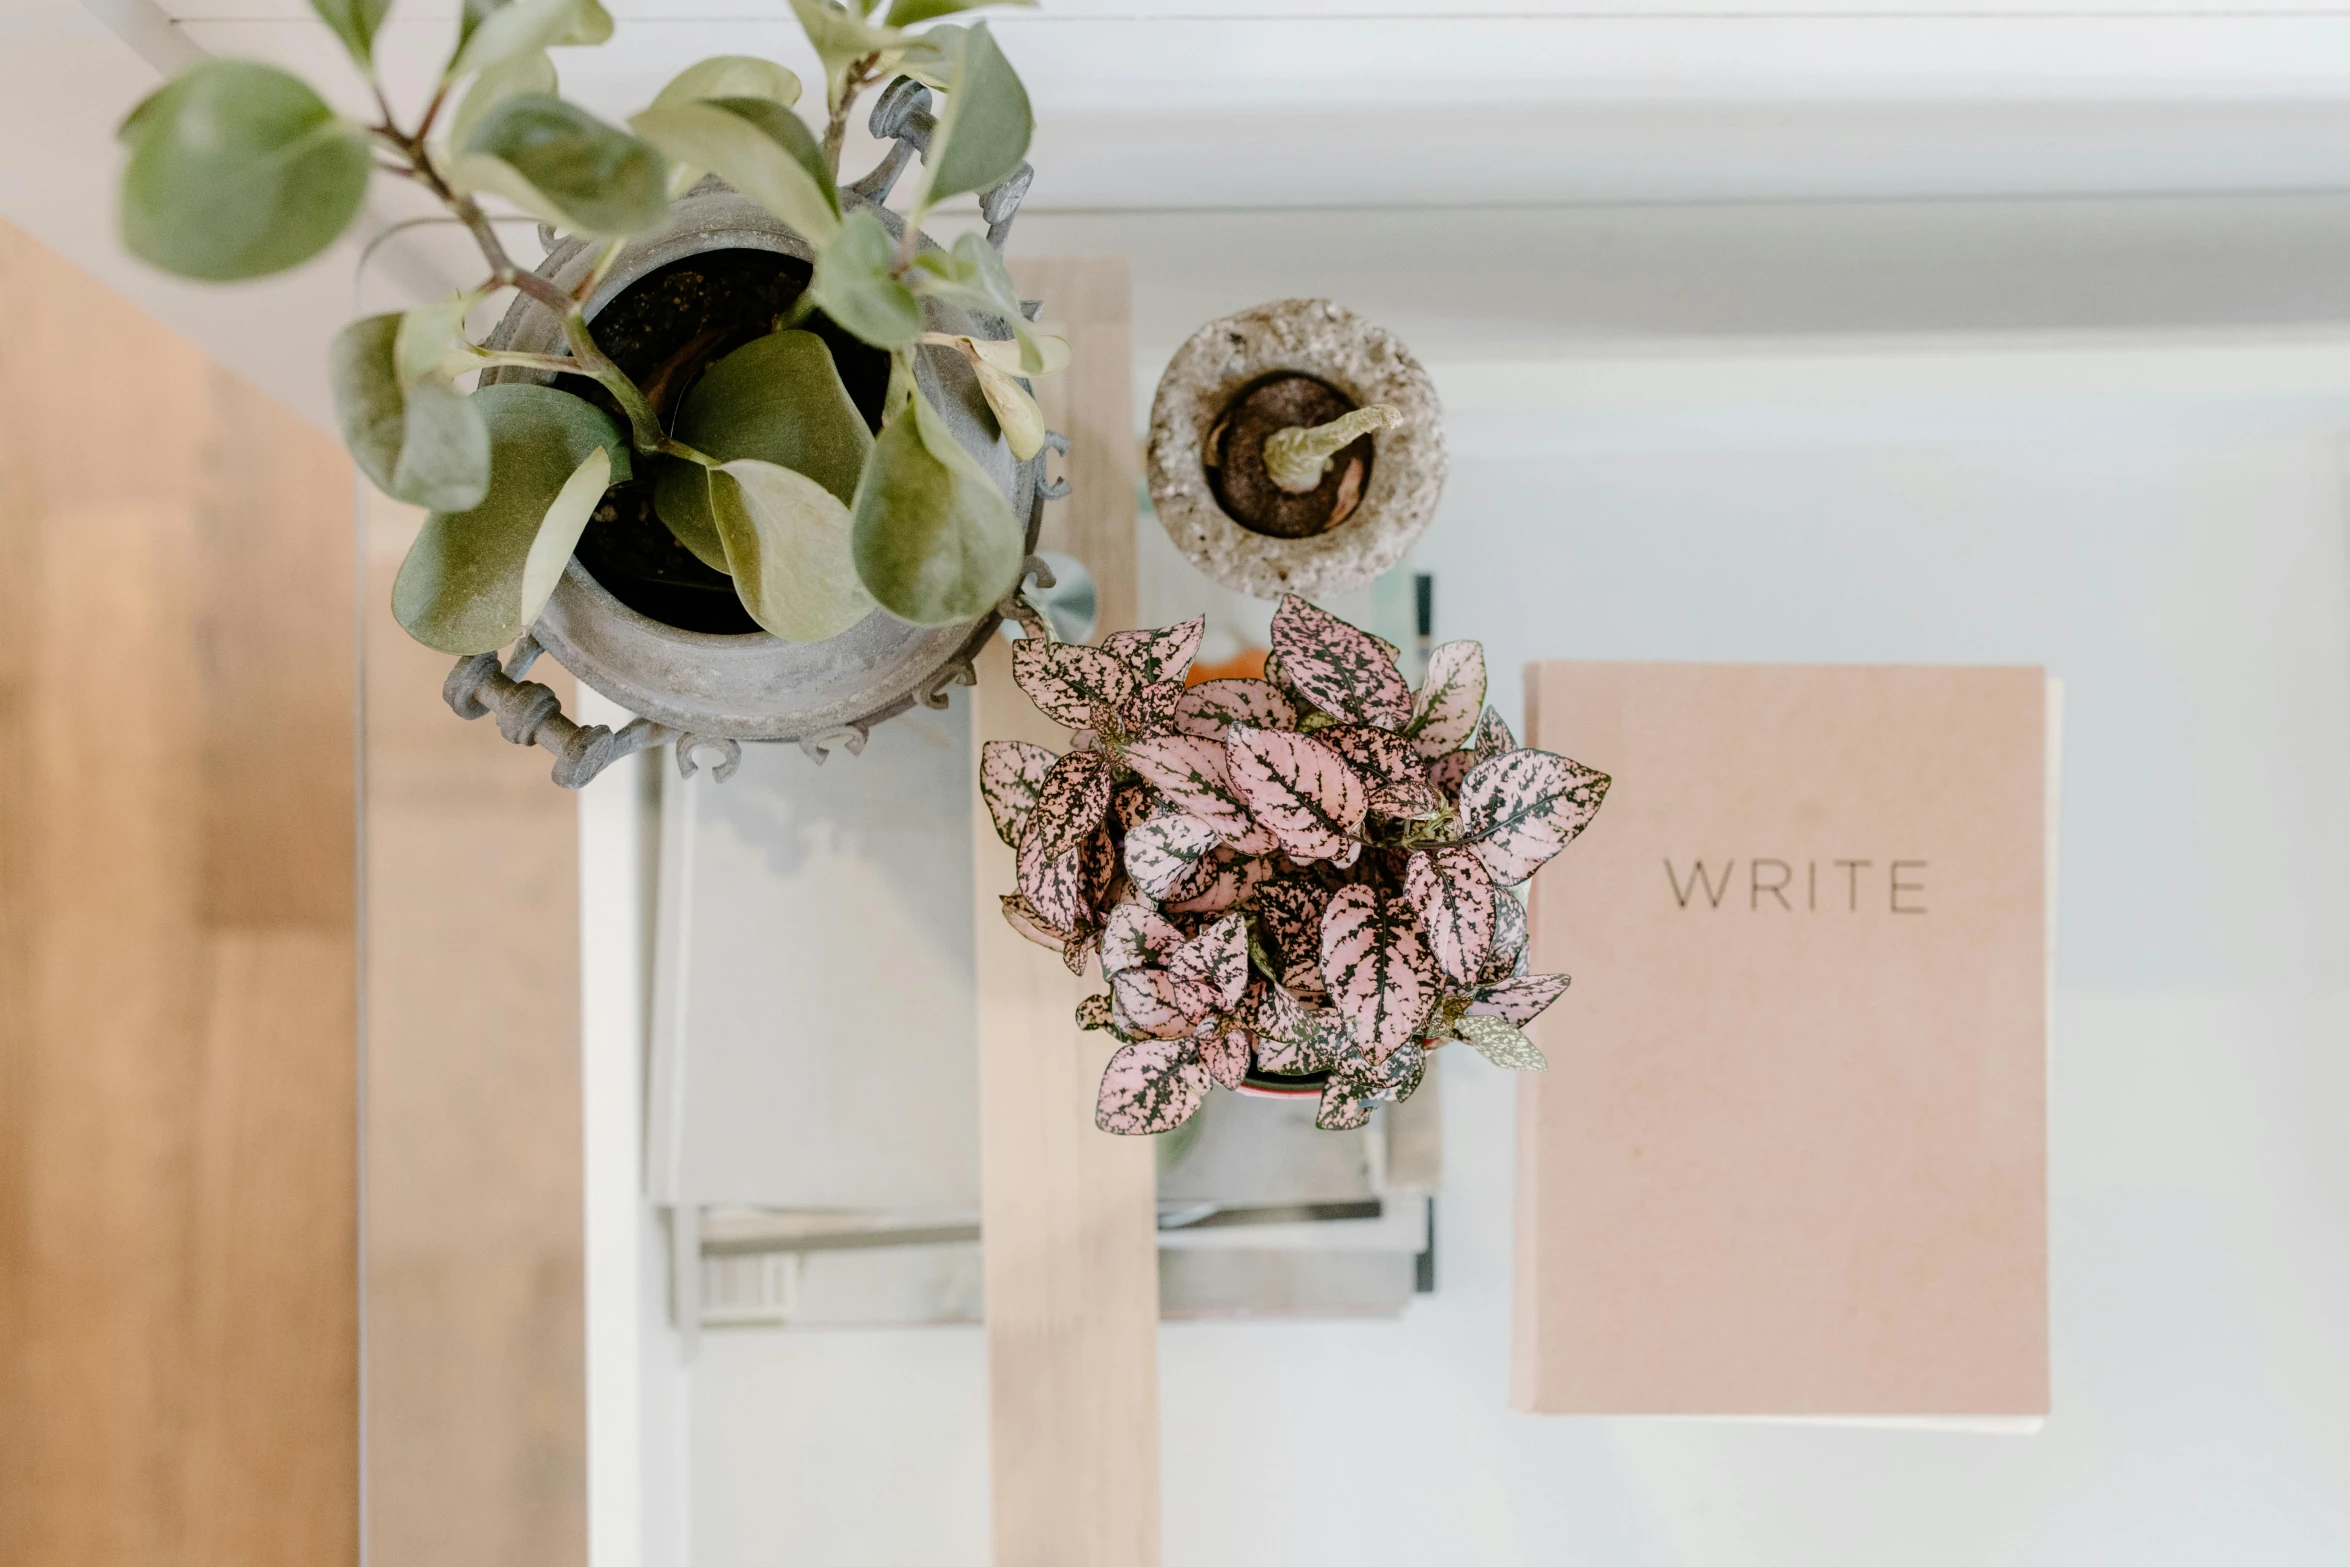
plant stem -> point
(595, 274)
(588, 358)
(644, 429)
(514, 359)
(910, 236)
(432, 112)
(836, 125)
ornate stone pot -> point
(717, 689)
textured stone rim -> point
(1316, 337)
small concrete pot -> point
(1227, 384)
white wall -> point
(2181, 564)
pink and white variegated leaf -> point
(1023, 919)
(1377, 968)
(1225, 1054)
(1101, 868)
(1378, 758)
(1509, 952)
(1445, 711)
(1010, 773)
(1153, 1086)
(1164, 654)
(1067, 680)
(1411, 801)
(1132, 802)
(1278, 679)
(1093, 1013)
(1142, 1002)
(1493, 737)
(1137, 937)
(1152, 711)
(1446, 772)
(1212, 706)
(1165, 850)
(1078, 949)
(1223, 879)
(1071, 801)
(1299, 788)
(1356, 1085)
(1191, 772)
(1522, 807)
(1054, 885)
(1291, 1038)
(1289, 924)
(1518, 1001)
(1454, 894)
(1347, 673)
(1343, 1108)
(1211, 970)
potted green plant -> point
(749, 452)
(1298, 884)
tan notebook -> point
(1789, 1157)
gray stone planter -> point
(715, 691)
(1329, 342)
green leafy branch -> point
(765, 470)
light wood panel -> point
(1068, 1212)
(475, 1267)
(177, 1294)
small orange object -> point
(1247, 664)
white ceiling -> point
(1201, 138)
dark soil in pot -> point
(664, 330)
(1235, 456)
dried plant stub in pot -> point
(1355, 426)
(1233, 455)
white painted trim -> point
(614, 911)
(1813, 392)
(673, 942)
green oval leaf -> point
(760, 148)
(524, 73)
(730, 76)
(681, 499)
(237, 170)
(524, 27)
(779, 400)
(936, 542)
(905, 13)
(840, 39)
(474, 580)
(983, 132)
(854, 284)
(787, 546)
(369, 404)
(430, 346)
(973, 276)
(564, 166)
(1016, 413)
(354, 22)
(1038, 354)
(419, 440)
